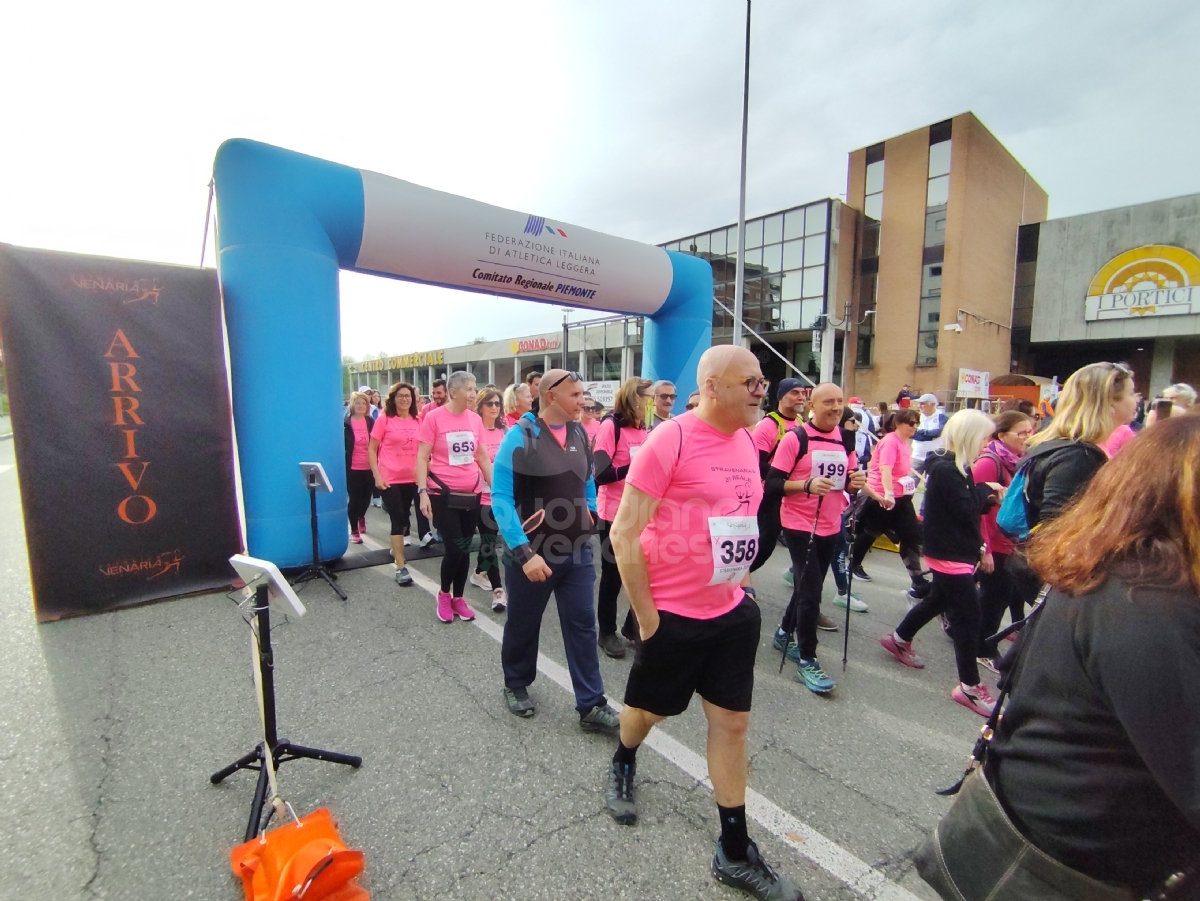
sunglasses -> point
(572, 375)
(491, 403)
(589, 409)
(667, 396)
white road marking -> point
(374, 545)
(806, 841)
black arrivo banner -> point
(121, 420)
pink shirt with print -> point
(591, 429)
(362, 437)
(798, 510)
(491, 444)
(892, 451)
(397, 452)
(608, 496)
(466, 429)
(695, 472)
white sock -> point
(900, 641)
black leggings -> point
(610, 587)
(489, 539)
(901, 522)
(359, 484)
(997, 593)
(396, 501)
(956, 597)
(457, 528)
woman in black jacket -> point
(1097, 758)
(1065, 455)
(952, 547)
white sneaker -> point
(499, 600)
(856, 603)
(479, 580)
(427, 539)
(408, 541)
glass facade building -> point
(787, 280)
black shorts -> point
(712, 657)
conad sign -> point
(973, 383)
(533, 345)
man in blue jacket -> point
(544, 502)
(928, 436)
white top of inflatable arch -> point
(431, 236)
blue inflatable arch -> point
(289, 222)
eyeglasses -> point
(491, 403)
(1025, 434)
(666, 396)
(572, 375)
(752, 384)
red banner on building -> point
(122, 426)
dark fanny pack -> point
(455, 500)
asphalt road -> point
(112, 725)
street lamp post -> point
(740, 280)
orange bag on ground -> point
(303, 860)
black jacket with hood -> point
(953, 507)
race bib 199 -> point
(830, 464)
(460, 448)
(734, 547)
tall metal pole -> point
(740, 282)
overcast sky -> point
(622, 115)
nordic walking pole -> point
(849, 583)
(789, 615)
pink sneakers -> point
(445, 607)
(355, 538)
(362, 525)
(975, 697)
(460, 608)
(902, 652)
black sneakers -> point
(612, 646)
(753, 875)
(618, 797)
(860, 574)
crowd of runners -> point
(687, 508)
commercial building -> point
(938, 269)
(1118, 285)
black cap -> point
(788, 385)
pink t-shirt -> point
(608, 497)
(358, 455)
(986, 469)
(491, 444)
(591, 429)
(892, 451)
(1121, 436)
(397, 452)
(950, 567)
(454, 439)
(708, 487)
(766, 433)
(827, 458)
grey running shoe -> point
(618, 797)
(753, 875)
(599, 717)
(825, 624)
(612, 646)
(403, 577)
(518, 701)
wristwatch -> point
(749, 589)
